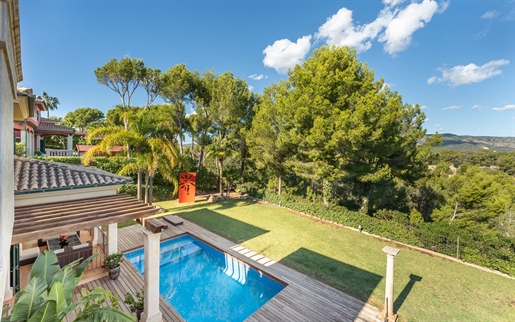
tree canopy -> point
(342, 124)
(83, 117)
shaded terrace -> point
(54, 199)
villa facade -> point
(10, 75)
(32, 129)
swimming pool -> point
(205, 284)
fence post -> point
(458, 248)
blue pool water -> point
(204, 284)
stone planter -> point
(114, 273)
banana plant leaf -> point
(30, 299)
(45, 266)
(46, 313)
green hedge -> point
(486, 248)
(341, 215)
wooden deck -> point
(303, 299)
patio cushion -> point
(80, 246)
(60, 250)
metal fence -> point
(447, 245)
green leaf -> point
(30, 299)
(45, 266)
(46, 313)
(96, 313)
(57, 295)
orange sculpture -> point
(187, 181)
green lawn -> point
(427, 288)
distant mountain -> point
(472, 143)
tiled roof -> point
(51, 126)
(39, 175)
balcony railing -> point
(59, 153)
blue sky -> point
(454, 58)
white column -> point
(23, 139)
(31, 143)
(151, 311)
(38, 143)
(70, 142)
(112, 239)
(8, 294)
(388, 293)
(94, 241)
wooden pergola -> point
(44, 220)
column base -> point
(156, 317)
(390, 317)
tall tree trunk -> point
(228, 194)
(279, 185)
(150, 190)
(126, 126)
(138, 193)
(146, 187)
(180, 143)
(192, 147)
(200, 157)
(242, 166)
(221, 168)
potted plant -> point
(112, 262)
(135, 303)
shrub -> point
(113, 260)
(19, 149)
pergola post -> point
(94, 240)
(112, 239)
(388, 296)
(152, 232)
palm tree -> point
(149, 138)
(51, 102)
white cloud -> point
(284, 54)
(443, 6)
(453, 107)
(439, 128)
(394, 26)
(339, 30)
(258, 77)
(250, 87)
(423, 107)
(397, 35)
(471, 73)
(392, 2)
(432, 80)
(482, 33)
(492, 14)
(505, 108)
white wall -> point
(7, 80)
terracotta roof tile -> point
(35, 175)
(49, 126)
